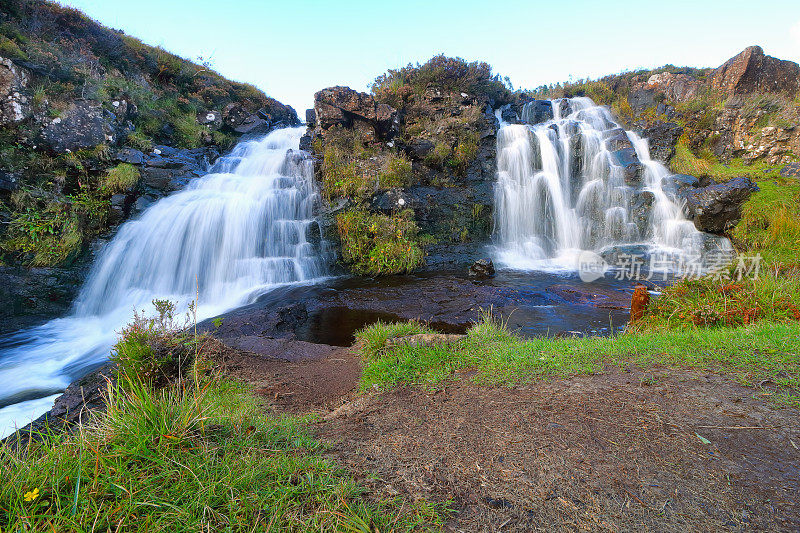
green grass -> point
(378, 244)
(121, 178)
(199, 454)
(686, 162)
(762, 351)
(770, 222)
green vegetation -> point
(708, 165)
(356, 168)
(121, 178)
(376, 244)
(169, 458)
(770, 223)
(447, 73)
(751, 354)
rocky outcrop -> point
(83, 125)
(751, 71)
(14, 99)
(662, 138)
(342, 106)
(718, 207)
(675, 87)
(34, 295)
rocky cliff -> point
(94, 126)
(409, 169)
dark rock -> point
(751, 71)
(212, 119)
(129, 155)
(8, 182)
(253, 125)
(641, 99)
(792, 170)
(343, 106)
(631, 165)
(32, 295)
(641, 207)
(617, 139)
(537, 111)
(482, 268)
(419, 148)
(14, 102)
(718, 207)
(509, 115)
(662, 137)
(83, 125)
(311, 118)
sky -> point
(293, 48)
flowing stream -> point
(577, 181)
(241, 230)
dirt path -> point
(617, 451)
(620, 451)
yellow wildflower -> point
(31, 495)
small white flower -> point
(157, 151)
(401, 202)
(115, 103)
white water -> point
(561, 190)
(228, 237)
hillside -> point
(94, 126)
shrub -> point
(376, 244)
(154, 351)
(449, 73)
(121, 178)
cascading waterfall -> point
(572, 180)
(229, 236)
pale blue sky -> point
(291, 49)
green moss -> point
(377, 244)
(707, 165)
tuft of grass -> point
(372, 339)
(140, 141)
(121, 178)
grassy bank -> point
(764, 351)
(196, 454)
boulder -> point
(482, 268)
(792, 170)
(718, 207)
(509, 115)
(751, 71)
(537, 111)
(9, 182)
(662, 137)
(617, 139)
(311, 118)
(83, 125)
(641, 98)
(344, 107)
(212, 119)
(129, 155)
(629, 161)
(14, 103)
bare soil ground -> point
(626, 450)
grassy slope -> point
(195, 455)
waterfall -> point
(229, 236)
(571, 180)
